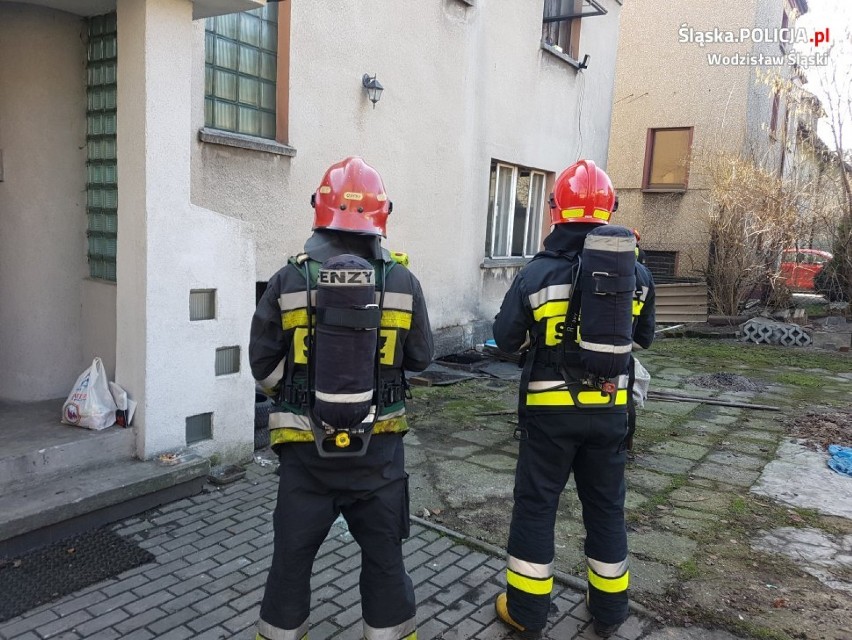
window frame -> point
(572, 28)
(650, 141)
(493, 211)
(282, 97)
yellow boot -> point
(502, 607)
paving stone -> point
(670, 408)
(728, 474)
(685, 525)
(663, 547)
(666, 464)
(497, 462)
(732, 458)
(634, 500)
(653, 577)
(680, 450)
(703, 427)
(639, 478)
(701, 499)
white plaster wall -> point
(42, 201)
(98, 330)
(168, 247)
(463, 85)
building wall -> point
(167, 247)
(463, 85)
(44, 313)
(662, 82)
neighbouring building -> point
(684, 89)
(157, 159)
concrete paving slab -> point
(801, 478)
(665, 464)
(736, 459)
(464, 483)
(681, 450)
(700, 499)
(728, 474)
(663, 547)
(638, 478)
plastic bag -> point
(90, 403)
(641, 383)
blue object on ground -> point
(841, 459)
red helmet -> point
(582, 193)
(351, 197)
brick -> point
(100, 623)
(216, 600)
(111, 604)
(63, 624)
(77, 603)
(211, 619)
(456, 612)
(124, 585)
(154, 586)
(223, 582)
(169, 623)
(567, 627)
(148, 602)
(178, 633)
(450, 575)
(242, 621)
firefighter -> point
(562, 425)
(370, 490)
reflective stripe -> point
(564, 398)
(530, 569)
(287, 420)
(553, 292)
(602, 214)
(621, 382)
(644, 295)
(597, 347)
(607, 569)
(289, 434)
(293, 319)
(394, 300)
(609, 585)
(396, 319)
(610, 244)
(535, 586)
(576, 212)
(273, 378)
(343, 398)
(290, 301)
(401, 631)
(274, 633)
(550, 309)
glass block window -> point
(241, 51)
(202, 304)
(101, 180)
(199, 427)
(227, 360)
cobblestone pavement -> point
(212, 555)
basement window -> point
(202, 304)
(199, 427)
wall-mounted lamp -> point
(374, 88)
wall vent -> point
(199, 427)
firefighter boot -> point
(502, 607)
(601, 629)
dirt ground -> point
(820, 429)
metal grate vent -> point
(661, 263)
(202, 304)
(199, 428)
(227, 360)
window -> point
(101, 167)
(667, 154)
(245, 81)
(662, 264)
(559, 32)
(516, 207)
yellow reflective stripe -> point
(576, 212)
(295, 318)
(549, 309)
(609, 585)
(396, 319)
(529, 585)
(289, 434)
(584, 398)
(602, 214)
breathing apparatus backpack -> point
(608, 282)
(343, 353)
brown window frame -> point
(569, 26)
(649, 156)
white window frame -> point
(494, 213)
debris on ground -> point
(819, 430)
(726, 381)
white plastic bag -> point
(90, 403)
(641, 383)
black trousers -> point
(372, 494)
(592, 445)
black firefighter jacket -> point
(277, 349)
